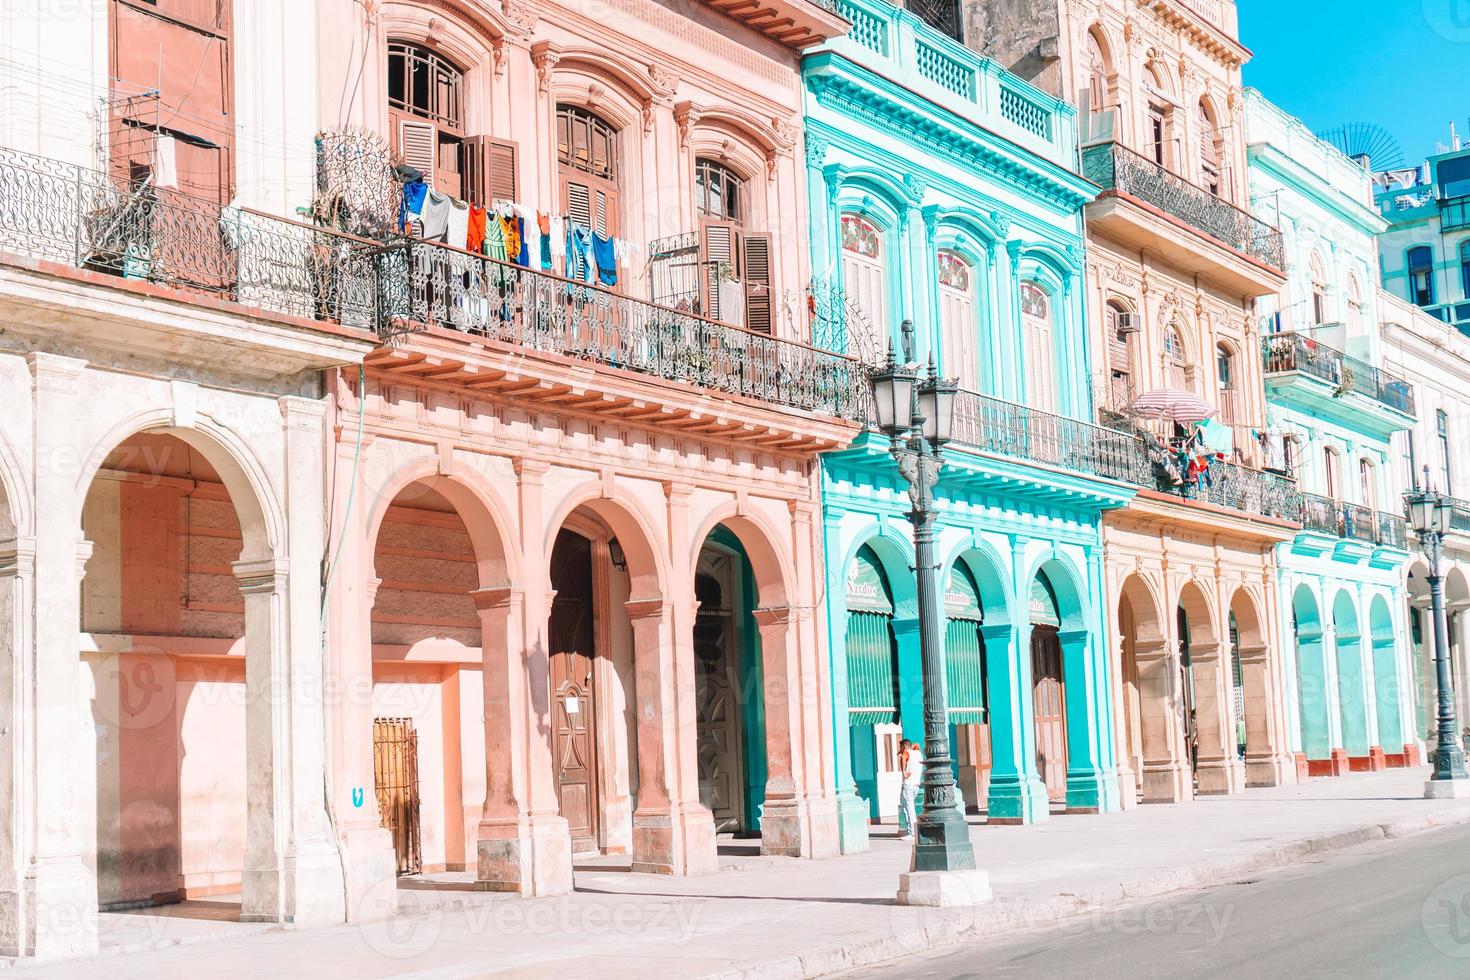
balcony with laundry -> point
(1303, 371)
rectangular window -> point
(1409, 459)
(1442, 425)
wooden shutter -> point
(501, 155)
(476, 179)
(757, 271)
(577, 201)
(718, 247)
(416, 143)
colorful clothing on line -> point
(578, 240)
(476, 239)
(607, 262)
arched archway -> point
(1152, 741)
(978, 661)
(1260, 738)
(180, 616)
(1208, 685)
(1388, 689)
(1314, 704)
(1352, 691)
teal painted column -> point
(1312, 692)
(852, 809)
(1017, 794)
(910, 679)
(1386, 694)
(1092, 781)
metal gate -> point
(396, 779)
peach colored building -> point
(1175, 264)
(514, 568)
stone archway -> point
(1266, 759)
(1355, 738)
(1395, 742)
(1149, 677)
(1207, 684)
(1314, 697)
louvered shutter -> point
(476, 178)
(502, 170)
(577, 198)
(719, 247)
(757, 271)
(1043, 373)
(416, 143)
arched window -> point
(1175, 368)
(1420, 260)
(1318, 285)
(1036, 317)
(864, 282)
(1465, 268)
(1331, 472)
(1121, 328)
(1354, 296)
(958, 329)
(426, 113)
(719, 192)
(1160, 118)
(1098, 72)
(1210, 153)
(1367, 483)
(1226, 382)
(588, 168)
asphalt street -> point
(1390, 909)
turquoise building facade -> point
(1332, 414)
(946, 220)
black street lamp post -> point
(1429, 514)
(917, 415)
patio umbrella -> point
(1173, 405)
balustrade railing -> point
(1229, 485)
(60, 212)
(1353, 521)
(1459, 514)
(1115, 167)
(423, 283)
(1018, 431)
(1287, 352)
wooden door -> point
(396, 781)
(1049, 697)
(570, 635)
(716, 697)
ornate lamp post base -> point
(1447, 789)
(943, 888)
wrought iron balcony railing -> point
(1229, 485)
(1018, 431)
(1353, 521)
(423, 283)
(1459, 514)
(59, 212)
(1115, 167)
(1287, 352)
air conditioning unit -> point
(1128, 323)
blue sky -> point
(1404, 64)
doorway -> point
(718, 692)
(1188, 715)
(1048, 692)
(396, 781)
(570, 636)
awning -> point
(964, 650)
(872, 658)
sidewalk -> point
(781, 917)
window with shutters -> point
(1318, 279)
(1120, 332)
(426, 111)
(1098, 72)
(1420, 261)
(957, 320)
(719, 192)
(735, 261)
(1210, 151)
(1354, 295)
(1331, 472)
(588, 169)
(1176, 369)
(1036, 318)
(863, 283)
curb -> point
(999, 918)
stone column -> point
(17, 595)
(673, 833)
(1220, 768)
(1166, 773)
(1017, 794)
(59, 890)
(1268, 759)
(1091, 784)
(792, 823)
(524, 843)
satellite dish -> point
(1370, 140)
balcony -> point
(1231, 486)
(795, 23)
(1148, 206)
(1004, 428)
(1454, 213)
(52, 211)
(1312, 376)
(1353, 522)
(424, 286)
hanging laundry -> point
(558, 236)
(413, 203)
(511, 234)
(607, 263)
(543, 224)
(578, 266)
(435, 215)
(165, 161)
(476, 238)
(458, 231)
(494, 246)
(523, 254)
(1217, 436)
